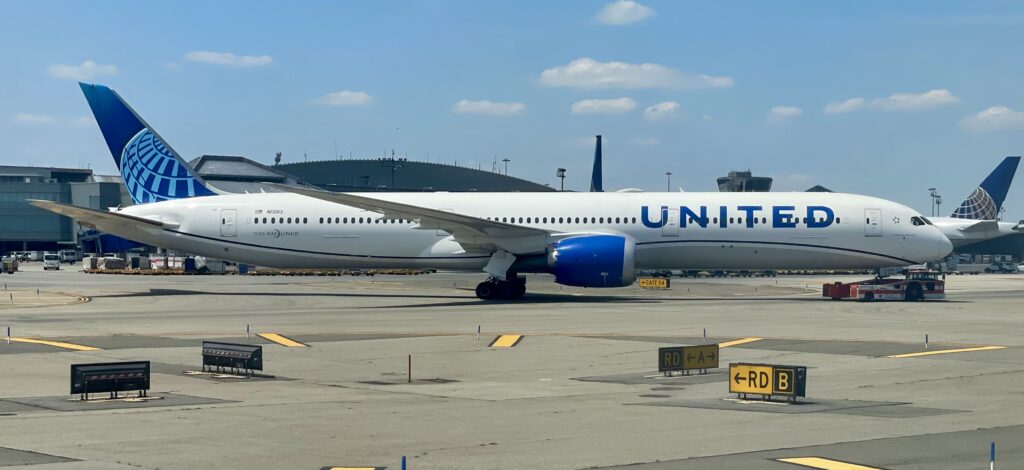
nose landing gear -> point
(494, 288)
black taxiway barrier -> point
(245, 357)
(767, 380)
(109, 377)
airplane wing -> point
(127, 226)
(470, 232)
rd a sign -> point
(768, 380)
(686, 358)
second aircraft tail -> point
(986, 200)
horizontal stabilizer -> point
(133, 228)
(981, 226)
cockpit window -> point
(920, 221)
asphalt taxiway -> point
(578, 390)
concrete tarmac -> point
(579, 390)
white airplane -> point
(584, 239)
(976, 218)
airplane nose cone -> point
(945, 247)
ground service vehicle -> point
(51, 261)
(916, 285)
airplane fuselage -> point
(671, 230)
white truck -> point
(51, 261)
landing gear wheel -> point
(519, 289)
(486, 290)
(506, 290)
(914, 293)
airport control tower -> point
(744, 182)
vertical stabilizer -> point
(151, 169)
(986, 200)
(596, 185)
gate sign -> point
(684, 358)
(654, 283)
(767, 379)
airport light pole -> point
(668, 182)
(936, 200)
(561, 174)
(506, 165)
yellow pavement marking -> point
(56, 344)
(737, 342)
(949, 351)
(825, 464)
(506, 341)
(283, 341)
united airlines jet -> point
(583, 239)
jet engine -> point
(593, 261)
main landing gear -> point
(494, 288)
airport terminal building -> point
(24, 228)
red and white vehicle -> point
(917, 285)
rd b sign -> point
(768, 379)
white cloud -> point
(345, 98)
(84, 121)
(87, 71)
(34, 118)
(847, 106)
(661, 111)
(591, 74)
(598, 106)
(645, 141)
(914, 101)
(785, 112)
(707, 118)
(227, 58)
(489, 108)
(622, 12)
(994, 119)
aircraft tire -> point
(914, 293)
(486, 290)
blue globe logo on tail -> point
(152, 173)
(979, 206)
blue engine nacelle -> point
(594, 261)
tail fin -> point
(595, 177)
(151, 169)
(986, 200)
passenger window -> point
(837, 220)
(264, 220)
(273, 220)
(732, 220)
(321, 220)
(634, 220)
(305, 221)
(764, 220)
(328, 220)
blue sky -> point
(923, 93)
